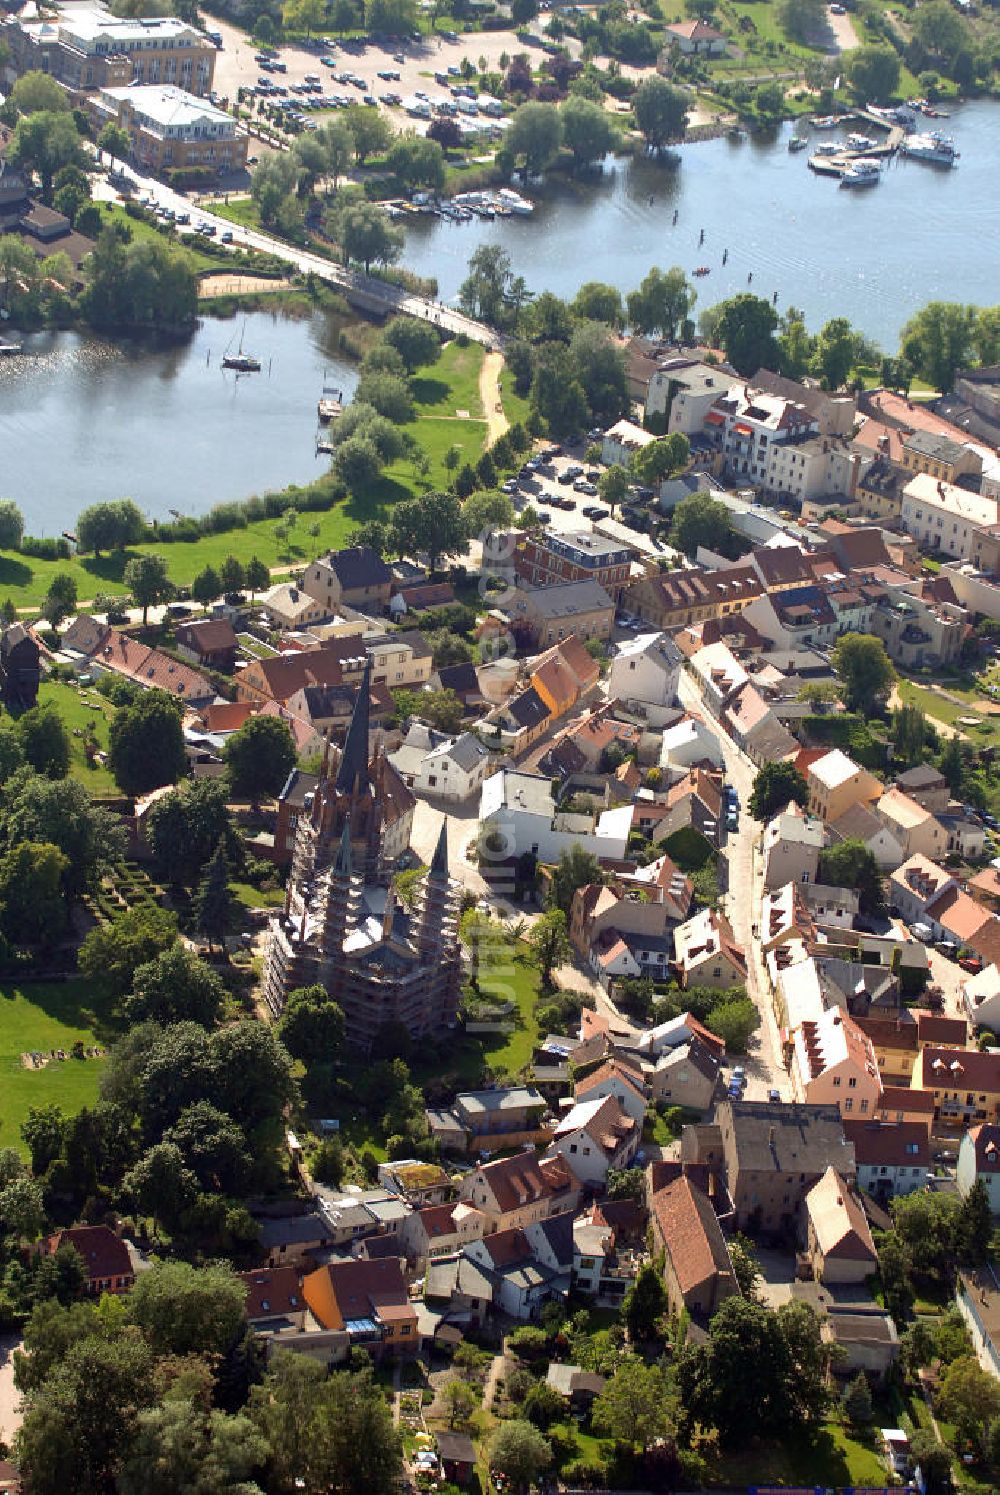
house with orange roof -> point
(918, 883)
(695, 39)
(517, 1191)
(833, 1063)
(985, 888)
(914, 827)
(697, 1269)
(838, 1238)
(901, 1103)
(620, 1080)
(953, 915)
(109, 648)
(563, 674)
(440, 1230)
(367, 1299)
(596, 1136)
(706, 952)
(965, 1085)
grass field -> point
(987, 734)
(44, 1017)
(78, 713)
(517, 980)
(140, 230)
(833, 1457)
(450, 385)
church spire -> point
(353, 770)
(439, 861)
(344, 865)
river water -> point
(873, 255)
(82, 419)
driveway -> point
(844, 35)
(10, 1397)
(463, 822)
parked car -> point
(774, 1095)
(971, 963)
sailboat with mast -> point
(243, 363)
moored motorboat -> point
(861, 174)
(934, 147)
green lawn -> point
(140, 230)
(934, 705)
(250, 897)
(451, 384)
(79, 710)
(44, 1017)
(515, 980)
(240, 210)
(832, 1457)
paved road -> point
(368, 293)
(10, 1397)
(742, 906)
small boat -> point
(702, 270)
(330, 405)
(828, 148)
(824, 122)
(797, 143)
(515, 203)
(861, 174)
(6, 347)
(861, 143)
(240, 362)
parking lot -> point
(561, 485)
(412, 63)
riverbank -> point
(449, 412)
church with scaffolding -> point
(343, 927)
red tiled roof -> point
(272, 1291)
(965, 1069)
(104, 1253)
(691, 1233)
(942, 1030)
(878, 1143)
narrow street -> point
(741, 903)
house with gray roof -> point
(440, 766)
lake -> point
(83, 419)
(875, 256)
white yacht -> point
(514, 202)
(861, 143)
(861, 174)
(934, 147)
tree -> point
(660, 460)
(486, 510)
(81, 1419)
(181, 1446)
(184, 827)
(557, 394)
(873, 73)
(43, 1132)
(390, 394)
(597, 302)
(746, 1267)
(60, 599)
(146, 743)
(858, 1400)
(911, 733)
(660, 112)
(745, 328)
(613, 487)
(970, 1398)
(259, 757)
(415, 342)
(938, 340)
(645, 1304)
(11, 525)
(176, 986)
(146, 579)
(145, 285)
(330, 1432)
(576, 868)
(213, 900)
(113, 141)
(519, 1452)
(206, 586)
(364, 232)
(22, 1212)
(44, 741)
(638, 1405)
(834, 352)
(550, 943)
(186, 1310)
(446, 131)
(850, 864)
(371, 131)
(62, 814)
(488, 290)
(431, 523)
(257, 576)
(802, 20)
(440, 709)
(312, 1025)
(536, 134)
(109, 526)
(358, 463)
(461, 1401)
(43, 143)
(662, 303)
(111, 953)
(303, 15)
(599, 365)
(32, 903)
(232, 577)
(734, 1022)
(587, 130)
(939, 29)
(974, 1228)
(701, 521)
(417, 161)
(933, 1461)
(861, 664)
(36, 92)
